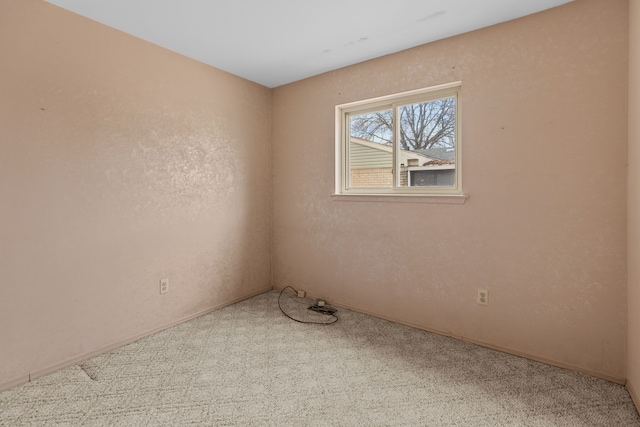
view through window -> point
(404, 143)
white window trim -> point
(418, 194)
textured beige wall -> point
(633, 357)
(544, 103)
(121, 163)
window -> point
(404, 144)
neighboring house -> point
(371, 165)
(439, 171)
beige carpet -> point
(248, 364)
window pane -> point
(426, 154)
(370, 149)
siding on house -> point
(363, 157)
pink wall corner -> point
(121, 163)
(544, 131)
(633, 355)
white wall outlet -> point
(301, 294)
(483, 297)
(164, 286)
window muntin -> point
(401, 144)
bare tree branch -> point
(423, 125)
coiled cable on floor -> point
(333, 316)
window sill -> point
(450, 199)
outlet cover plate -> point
(164, 286)
(483, 297)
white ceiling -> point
(274, 42)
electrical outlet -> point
(483, 297)
(301, 294)
(164, 286)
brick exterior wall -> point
(404, 177)
(376, 177)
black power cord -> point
(325, 310)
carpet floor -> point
(249, 365)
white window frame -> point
(394, 101)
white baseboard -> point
(634, 396)
(80, 358)
(609, 378)
(14, 383)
